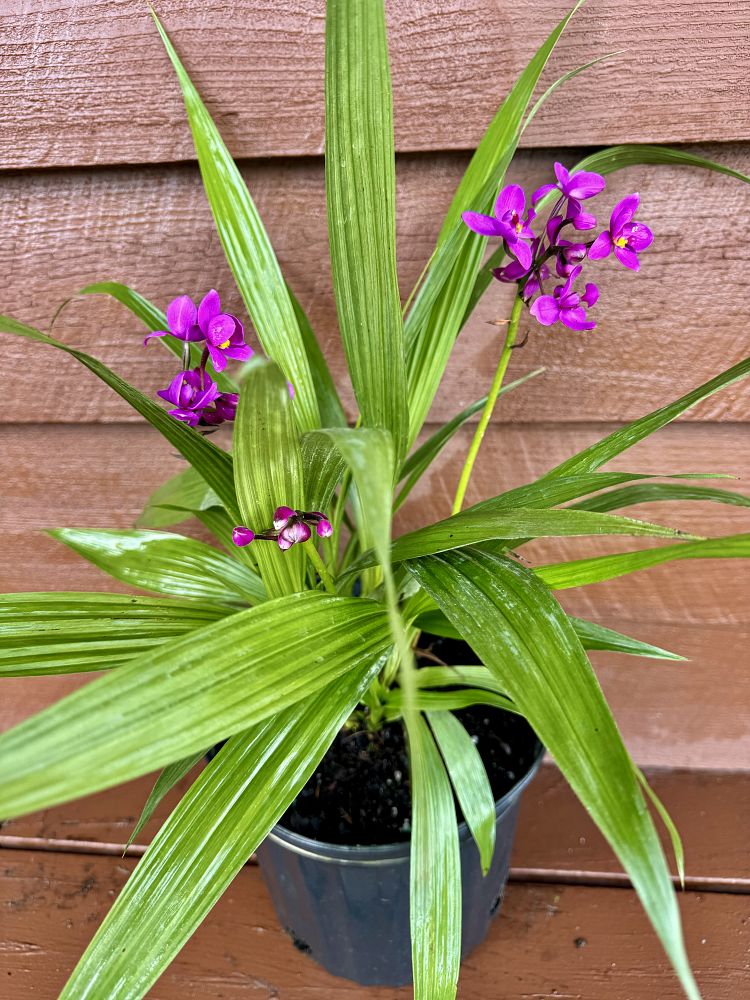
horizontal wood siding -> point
(85, 82)
(676, 323)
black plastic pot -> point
(348, 907)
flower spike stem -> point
(320, 567)
(497, 382)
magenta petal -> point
(601, 247)
(205, 396)
(155, 333)
(584, 220)
(546, 310)
(591, 295)
(217, 357)
(220, 329)
(562, 175)
(281, 517)
(189, 417)
(209, 307)
(628, 257)
(542, 191)
(284, 542)
(242, 352)
(324, 528)
(521, 251)
(485, 225)
(639, 236)
(585, 184)
(575, 319)
(242, 535)
(290, 387)
(622, 213)
(172, 392)
(510, 199)
(181, 315)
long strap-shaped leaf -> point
(268, 470)
(166, 563)
(593, 457)
(361, 197)
(63, 633)
(248, 249)
(435, 874)
(211, 462)
(472, 527)
(220, 821)
(580, 572)
(224, 678)
(629, 496)
(523, 636)
(175, 499)
(438, 310)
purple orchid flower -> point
(294, 532)
(625, 237)
(224, 334)
(508, 223)
(575, 187)
(282, 516)
(516, 272)
(190, 392)
(565, 305)
(223, 410)
(242, 535)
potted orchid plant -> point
(372, 708)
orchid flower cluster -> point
(290, 527)
(196, 398)
(531, 254)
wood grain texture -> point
(86, 82)
(555, 833)
(549, 941)
(151, 228)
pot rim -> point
(378, 854)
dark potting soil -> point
(360, 794)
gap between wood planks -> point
(558, 876)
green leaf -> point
(674, 833)
(523, 636)
(219, 822)
(437, 314)
(435, 892)
(649, 492)
(223, 678)
(361, 198)
(165, 563)
(248, 250)
(469, 779)
(394, 706)
(322, 466)
(471, 527)
(64, 633)
(154, 319)
(593, 457)
(179, 496)
(166, 781)
(593, 636)
(209, 461)
(580, 572)
(268, 470)
(471, 676)
(329, 404)
(418, 463)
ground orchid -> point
(508, 223)
(191, 392)
(625, 237)
(565, 305)
(289, 527)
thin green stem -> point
(320, 567)
(497, 383)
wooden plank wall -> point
(98, 181)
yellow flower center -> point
(621, 241)
(224, 346)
